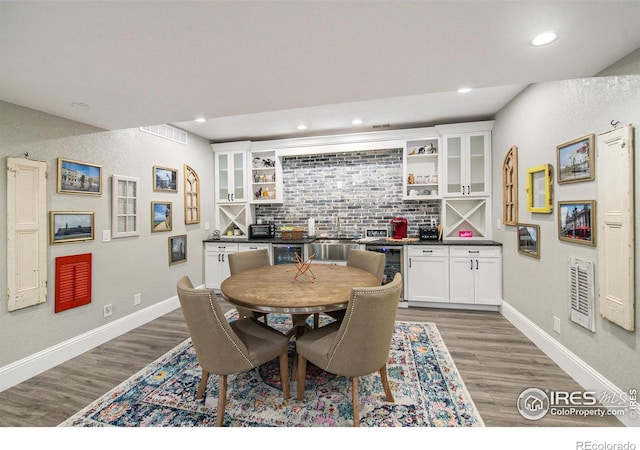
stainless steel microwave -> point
(262, 230)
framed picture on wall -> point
(165, 179)
(177, 249)
(161, 216)
(577, 222)
(70, 226)
(576, 160)
(75, 177)
(529, 240)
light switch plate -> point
(106, 235)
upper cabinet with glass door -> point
(467, 160)
(231, 175)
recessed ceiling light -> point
(356, 121)
(302, 127)
(201, 120)
(464, 90)
(80, 105)
(544, 38)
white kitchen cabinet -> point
(245, 247)
(231, 176)
(265, 177)
(467, 164)
(216, 262)
(466, 218)
(421, 169)
(427, 273)
(475, 275)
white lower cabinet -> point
(427, 274)
(475, 275)
(246, 247)
(216, 262)
(216, 259)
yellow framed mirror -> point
(540, 189)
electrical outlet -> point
(206, 226)
(136, 299)
(108, 310)
(556, 324)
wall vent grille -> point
(581, 292)
(167, 132)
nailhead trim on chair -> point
(225, 331)
(348, 319)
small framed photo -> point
(165, 179)
(576, 160)
(529, 240)
(177, 249)
(577, 222)
(70, 226)
(161, 216)
(75, 177)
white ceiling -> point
(256, 69)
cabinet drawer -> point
(220, 247)
(465, 252)
(427, 250)
(253, 246)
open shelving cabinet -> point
(466, 219)
(421, 169)
(232, 216)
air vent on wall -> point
(167, 132)
(581, 292)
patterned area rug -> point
(427, 387)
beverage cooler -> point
(286, 253)
(393, 265)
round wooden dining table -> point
(275, 289)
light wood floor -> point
(495, 360)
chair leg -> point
(284, 374)
(302, 372)
(385, 383)
(356, 402)
(222, 399)
(203, 384)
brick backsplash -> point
(362, 189)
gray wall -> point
(122, 267)
(370, 196)
(536, 121)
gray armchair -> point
(372, 262)
(223, 347)
(239, 262)
(357, 346)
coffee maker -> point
(399, 227)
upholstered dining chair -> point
(372, 262)
(225, 348)
(241, 261)
(357, 346)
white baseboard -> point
(32, 365)
(584, 374)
